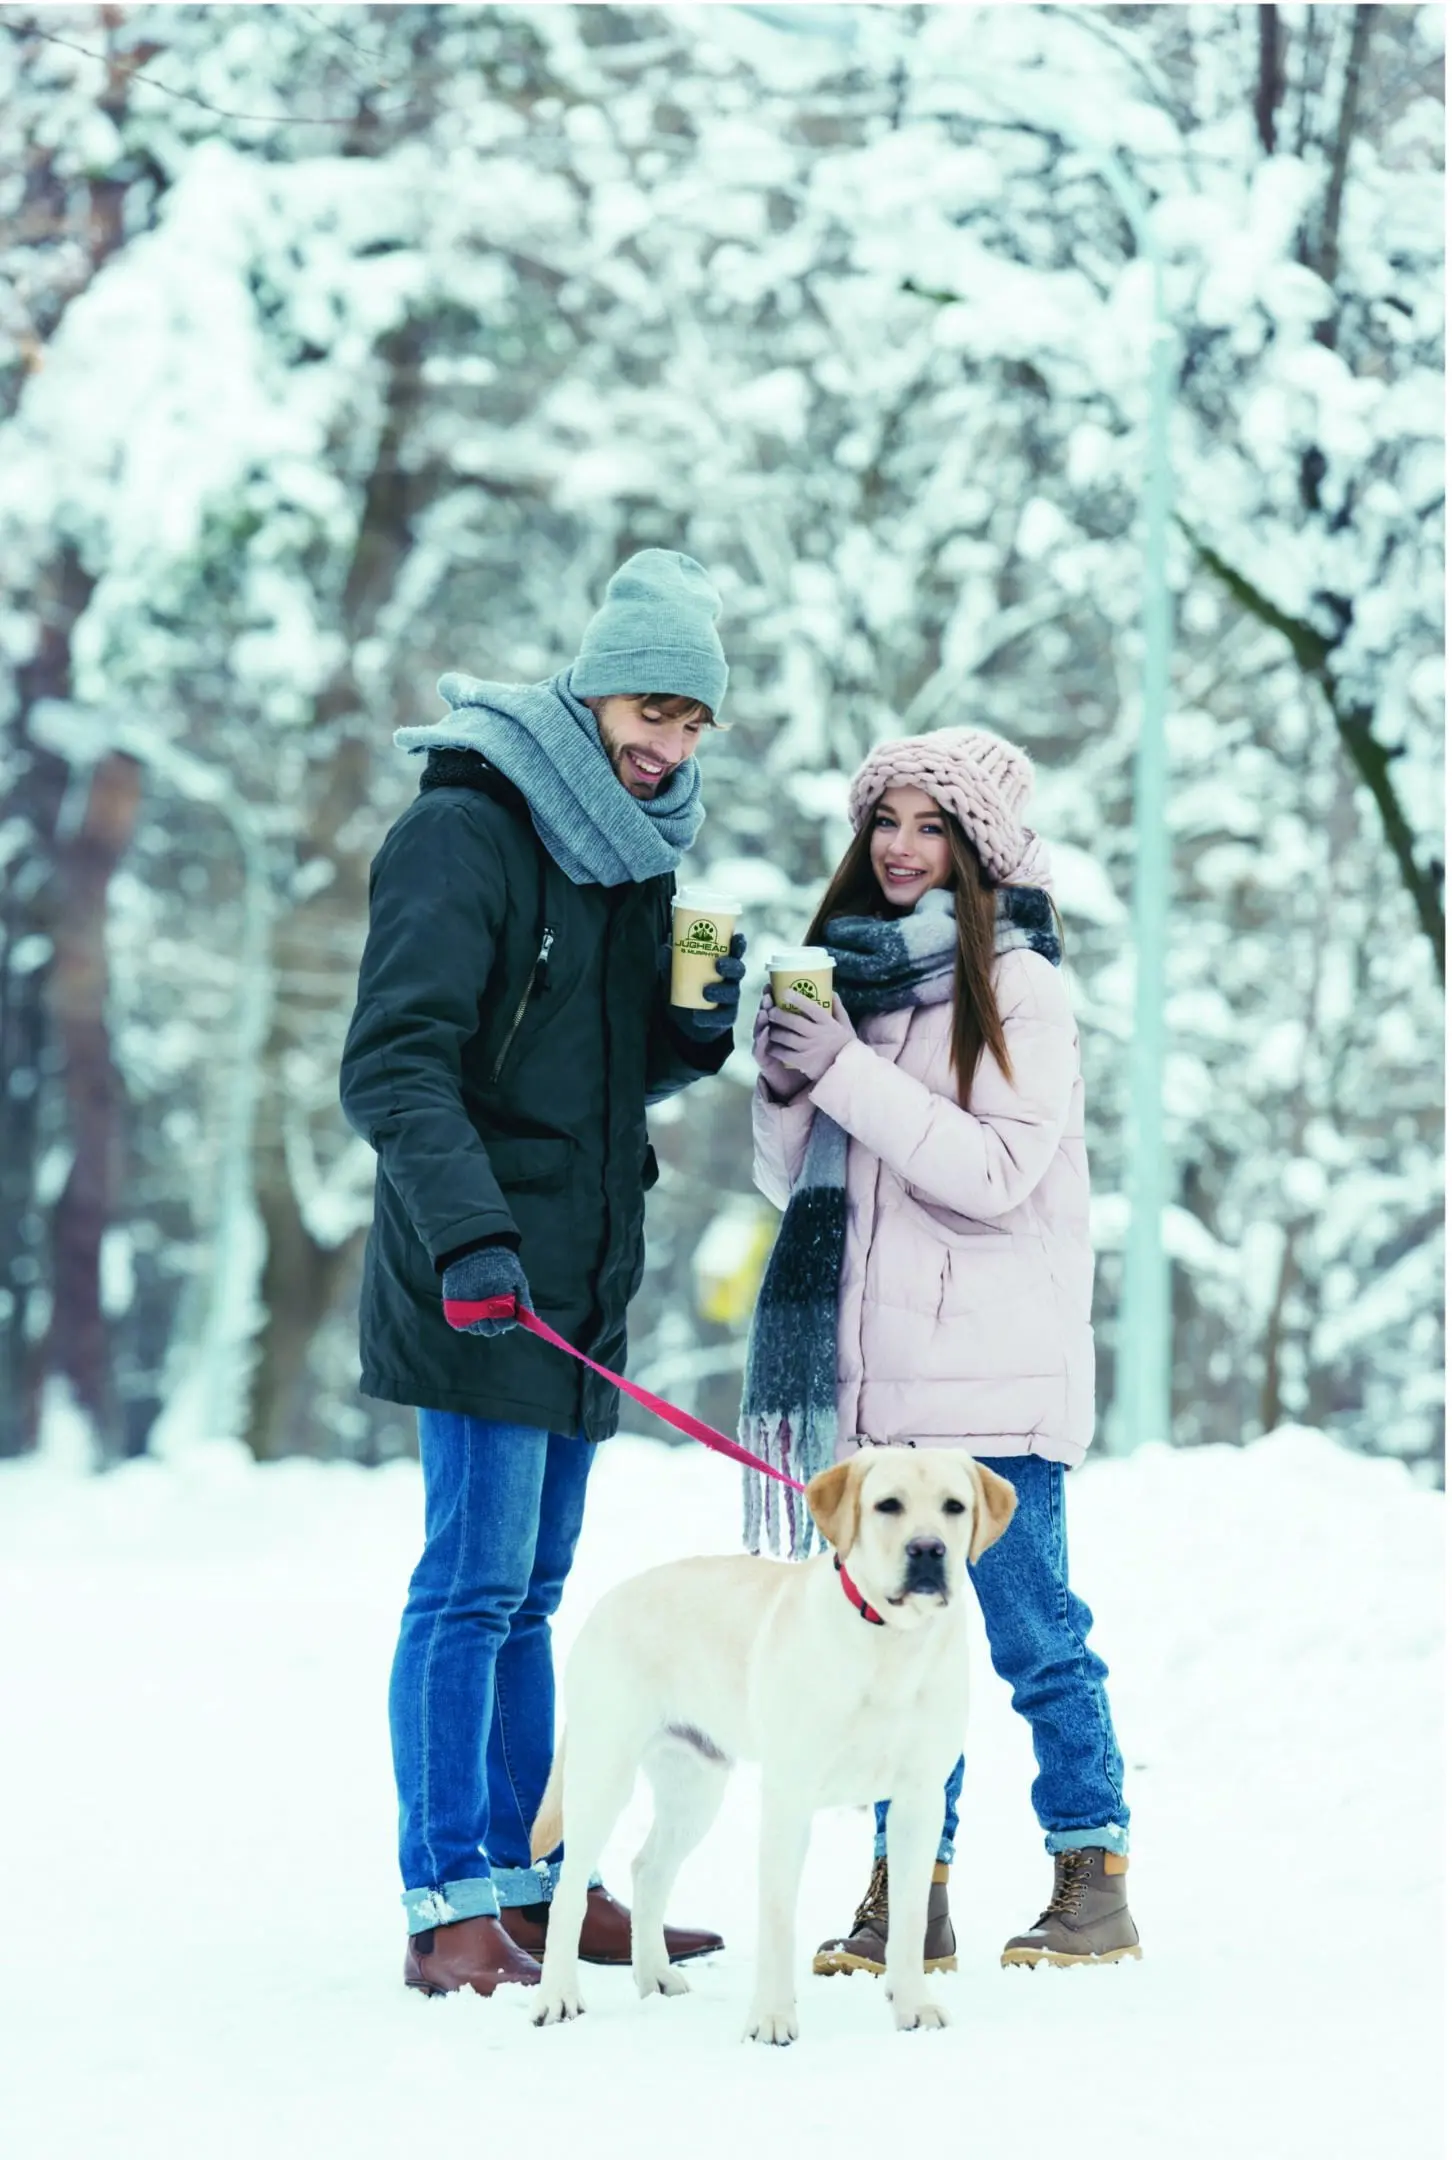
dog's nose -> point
(926, 1548)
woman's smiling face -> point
(909, 849)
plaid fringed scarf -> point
(789, 1402)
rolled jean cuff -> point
(473, 1899)
(527, 1885)
(1109, 1837)
(532, 1885)
(946, 1849)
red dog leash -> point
(460, 1312)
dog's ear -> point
(832, 1497)
(996, 1503)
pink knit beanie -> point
(983, 781)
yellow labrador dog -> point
(846, 1678)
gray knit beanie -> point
(656, 631)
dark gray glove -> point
(724, 996)
(492, 1271)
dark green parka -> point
(510, 1029)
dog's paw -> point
(924, 2015)
(773, 2028)
(556, 2006)
(661, 1980)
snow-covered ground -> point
(203, 1940)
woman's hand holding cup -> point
(808, 1039)
(781, 1081)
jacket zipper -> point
(536, 982)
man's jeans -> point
(1038, 1640)
(471, 1704)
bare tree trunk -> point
(302, 1278)
(1271, 80)
(27, 921)
(32, 897)
(1310, 76)
(300, 1284)
(78, 1342)
(1326, 254)
(1270, 1386)
(1299, 1221)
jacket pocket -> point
(529, 1165)
(949, 1224)
(1008, 1279)
(537, 984)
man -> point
(512, 1025)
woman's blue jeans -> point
(471, 1703)
(1038, 1638)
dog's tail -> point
(549, 1823)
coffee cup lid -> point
(799, 960)
(698, 901)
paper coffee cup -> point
(701, 927)
(801, 975)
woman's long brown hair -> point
(977, 1026)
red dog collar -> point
(854, 1595)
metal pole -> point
(1143, 1394)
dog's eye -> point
(888, 1507)
(954, 1507)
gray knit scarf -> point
(541, 737)
(789, 1401)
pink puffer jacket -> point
(963, 1317)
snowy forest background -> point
(341, 345)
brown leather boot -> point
(605, 1936)
(865, 1948)
(1087, 1920)
(475, 1954)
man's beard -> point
(635, 783)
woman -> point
(930, 1285)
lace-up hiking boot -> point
(1087, 1920)
(865, 1948)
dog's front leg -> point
(559, 1983)
(785, 1828)
(914, 1825)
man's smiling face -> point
(647, 738)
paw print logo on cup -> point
(802, 976)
